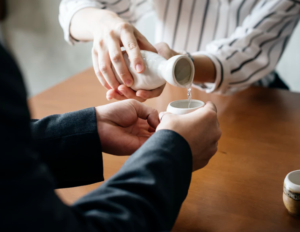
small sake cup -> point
(181, 106)
(291, 193)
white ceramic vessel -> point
(178, 71)
(291, 192)
(181, 106)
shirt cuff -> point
(66, 20)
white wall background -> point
(289, 65)
(34, 36)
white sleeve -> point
(68, 8)
(255, 47)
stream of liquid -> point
(189, 95)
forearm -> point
(89, 21)
(147, 193)
(69, 144)
(205, 70)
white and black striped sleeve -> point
(130, 10)
(254, 48)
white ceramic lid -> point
(292, 181)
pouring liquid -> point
(189, 95)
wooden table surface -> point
(241, 188)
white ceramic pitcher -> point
(178, 71)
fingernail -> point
(139, 68)
(128, 83)
(108, 98)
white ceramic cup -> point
(291, 192)
(181, 106)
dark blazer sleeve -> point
(145, 195)
(70, 146)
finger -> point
(118, 62)
(131, 46)
(147, 94)
(143, 43)
(129, 93)
(151, 129)
(96, 69)
(162, 48)
(143, 124)
(146, 112)
(114, 94)
(211, 106)
(105, 68)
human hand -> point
(199, 128)
(124, 92)
(165, 51)
(111, 33)
(124, 126)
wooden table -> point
(241, 188)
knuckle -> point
(103, 68)
(132, 101)
(98, 73)
(116, 58)
(131, 45)
(211, 115)
(155, 111)
(217, 135)
(124, 26)
(101, 43)
(111, 34)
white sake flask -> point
(178, 71)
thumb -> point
(147, 113)
(144, 44)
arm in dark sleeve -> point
(69, 144)
(145, 195)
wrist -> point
(90, 22)
(101, 20)
(205, 70)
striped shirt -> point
(244, 38)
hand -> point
(165, 51)
(111, 33)
(124, 92)
(124, 126)
(199, 128)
